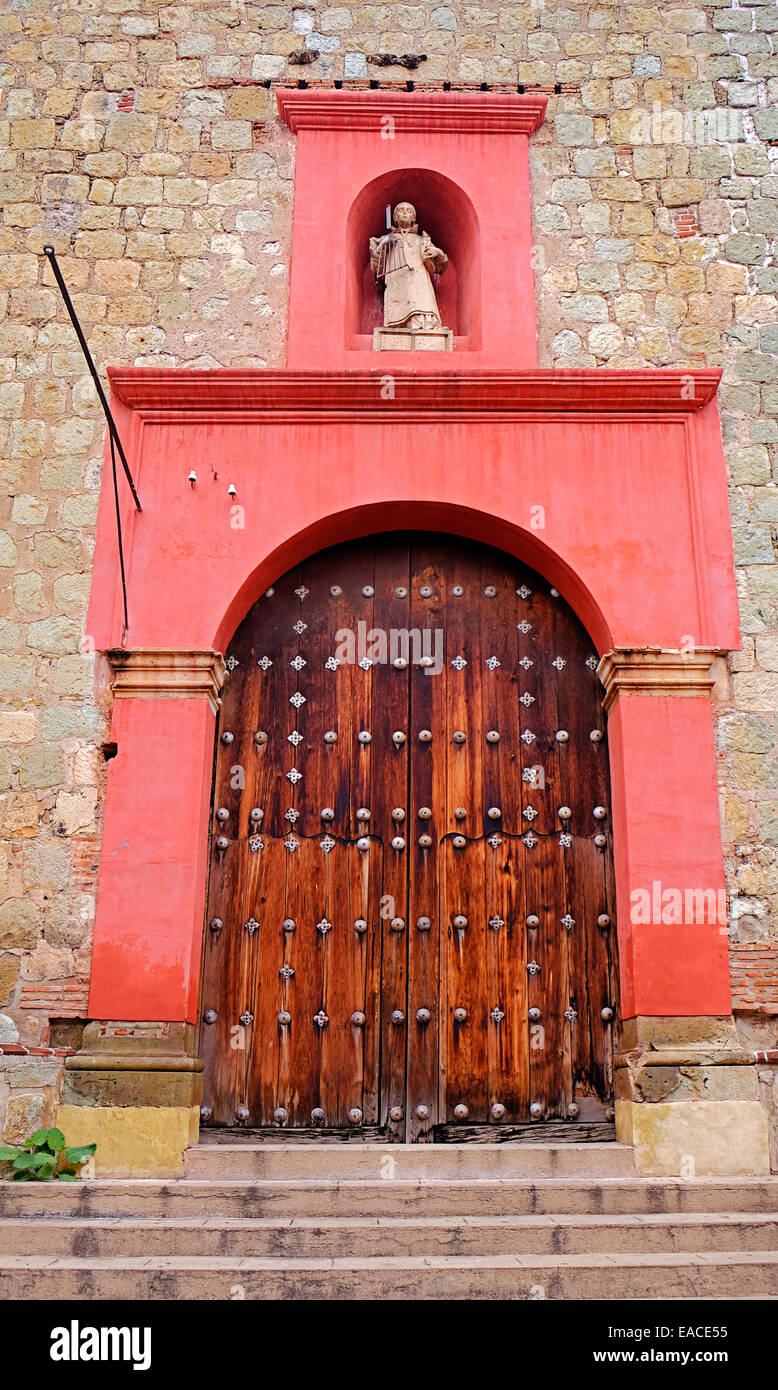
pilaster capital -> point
(144, 674)
(656, 671)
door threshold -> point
(542, 1132)
(548, 1132)
(273, 1134)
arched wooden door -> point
(410, 904)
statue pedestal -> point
(413, 340)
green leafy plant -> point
(44, 1156)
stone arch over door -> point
(410, 922)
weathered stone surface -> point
(45, 865)
(9, 1033)
(17, 726)
(9, 974)
(20, 815)
(20, 921)
(132, 1139)
(696, 1138)
(23, 1116)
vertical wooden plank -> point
(581, 788)
(317, 690)
(508, 1038)
(610, 940)
(589, 983)
(342, 1041)
(464, 666)
(428, 762)
(300, 1043)
(267, 642)
(465, 954)
(229, 970)
(508, 1068)
(537, 705)
(259, 995)
(549, 1055)
(365, 875)
(390, 714)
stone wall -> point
(138, 139)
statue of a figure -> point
(405, 261)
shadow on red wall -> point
(445, 211)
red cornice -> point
(472, 113)
(359, 395)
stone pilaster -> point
(134, 1089)
(687, 1098)
(656, 671)
(167, 674)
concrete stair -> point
(302, 1221)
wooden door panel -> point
(326, 1021)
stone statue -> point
(405, 261)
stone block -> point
(700, 1138)
(141, 188)
(23, 1116)
(418, 340)
(682, 192)
(659, 248)
(133, 1141)
(20, 923)
(38, 133)
(9, 975)
(20, 815)
(54, 636)
(41, 765)
(744, 732)
(45, 865)
(746, 248)
(574, 130)
(17, 726)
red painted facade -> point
(358, 152)
(610, 484)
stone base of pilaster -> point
(687, 1099)
(135, 1090)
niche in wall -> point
(445, 211)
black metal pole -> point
(119, 535)
(50, 255)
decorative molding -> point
(654, 671)
(426, 395)
(166, 675)
(428, 113)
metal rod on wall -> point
(51, 257)
(113, 433)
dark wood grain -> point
(517, 639)
(427, 769)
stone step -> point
(340, 1238)
(217, 1161)
(741, 1274)
(280, 1199)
